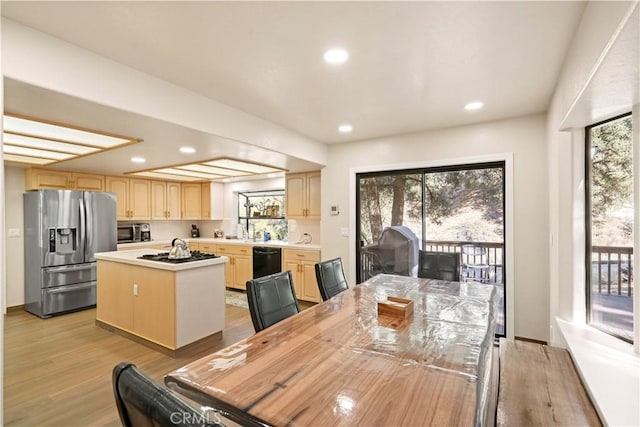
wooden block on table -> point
(396, 307)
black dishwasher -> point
(266, 261)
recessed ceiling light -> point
(138, 159)
(336, 56)
(187, 150)
(476, 105)
(345, 128)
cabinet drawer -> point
(301, 255)
(234, 249)
(208, 247)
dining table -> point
(342, 363)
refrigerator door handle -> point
(83, 224)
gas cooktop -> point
(164, 257)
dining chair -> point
(142, 402)
(330, 278)
(475, 263)
(439, 265)
(271, 299)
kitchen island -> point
(166, 306)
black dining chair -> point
(271, 299)
(439, 265)
(330, 278)
(142, 402)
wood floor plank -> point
(57, 371)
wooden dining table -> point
(340, 363)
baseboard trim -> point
(15, 308)
(531, 340)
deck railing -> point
(490, 254)
(612, 270)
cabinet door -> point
(296, 275)
(191, 201)
(229, 272)
(114, 294)
(139, 199)
(208, 248)
(154, 307)
(313, 196)
(120, 186)
(158, 200)
(295, 196)
(244, 271)
(44, 178)
(205, 200)
(310, 290)
(173, 200)
(87, 182)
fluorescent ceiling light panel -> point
(242, 166)
(61, 133)
(29, 160)
(210, 170)
(166, 176)
(47, 143)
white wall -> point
(524, 137)
(14, 187)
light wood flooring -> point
(57, 371)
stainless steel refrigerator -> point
(63, 231)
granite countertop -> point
(131, 257)
(274, 243)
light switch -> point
(344, 232)
(13, 232)
(135, 289)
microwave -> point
(129, 233)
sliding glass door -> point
(453, 214)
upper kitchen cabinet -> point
(212, 200)
(36, 179)
(165, 200)
(302, 193)
(191, 200)
(133, 195)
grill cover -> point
(397, 251)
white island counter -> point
(167, 306)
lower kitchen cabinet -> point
(138, 300)
(302, 265)
(239, 269)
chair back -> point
(142, 402)
(440, 265)
(271, 299)
(330, 278)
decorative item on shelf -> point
(218, 234)
(272, 210)
(395, 307)
(257, 214)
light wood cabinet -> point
(133, 197)
(212, 200)
(239, 269)
(138, 300)
(302, 265)
(208, 248)
(191, 200)
(165, 200)
(302, 195)
(36, 179)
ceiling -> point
(412, 66)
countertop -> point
(131, 257)
(274, 243)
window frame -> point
(588, 243)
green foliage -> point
(611, 167)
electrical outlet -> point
(13, 232)
(344, 232)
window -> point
(609, 226)
(456, 209)
(262, 211)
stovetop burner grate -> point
(164, 257)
